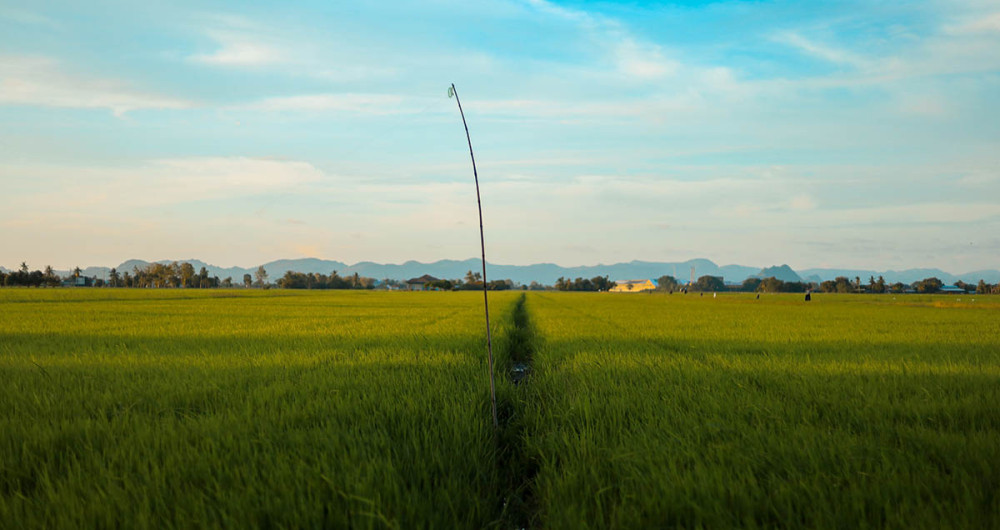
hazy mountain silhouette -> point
(548, 273)
(783, 273)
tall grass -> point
(173, 409)
(182, 409)
(847, 412)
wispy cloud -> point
(240, 43)
(989, 23)
(22, 16)
(822, 51)
(632, 57)
(162, 182)
(43, 81)
(357, 103)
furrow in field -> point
(516, 469)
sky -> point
(817, 134)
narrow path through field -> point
(516, 470)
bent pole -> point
(482, 246)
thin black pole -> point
(482, 245)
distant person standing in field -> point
(808, 296)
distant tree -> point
(928, 285)
(707, 284)
(228, 282)
(50, 276)
(750, 285)
(667, 283)
(473, 277)
(439, 285)
(114, 278)
(499, 285)
(187, 274)
(23, 269)
(983, 287)
(897, 288)
(247, 280)
(602, 283)
(843, 285)
(260, 276)
(795, 287)
(857, 283)
(771, 285)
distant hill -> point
(548, 273)
(783, 273)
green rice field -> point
(347, 409)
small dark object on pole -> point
(482, 245)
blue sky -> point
(848, 134)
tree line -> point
(473, 281)
(315, 280)
(153, 275)
(22, 277)
(841, 284)
(597, 283)
(183, 275)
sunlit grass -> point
(192, 409)
(177, 409)
(652, 411)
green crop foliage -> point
(181, 409)
(341, 409)
(656, 411)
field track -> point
(231, 408)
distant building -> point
(952, 289)
(79, 281)
(421, 283)
(633, 286)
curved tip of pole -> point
(451, 90)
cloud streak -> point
(43, 81)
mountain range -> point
(548, 273)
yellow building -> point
(633, 286)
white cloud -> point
(159, 182)
(643, 61)
(242, 43)
(822, 51)
(360, 103)
(22, 16)
(981, 24)
(635, 58)
(802, 202)
(42, 81)
(240, 48)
